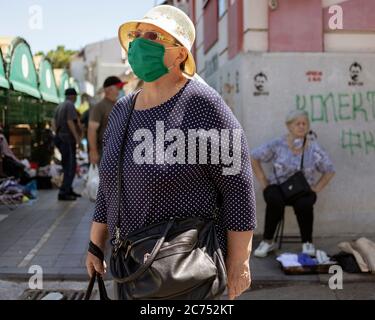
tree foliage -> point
(60, 58)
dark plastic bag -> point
(348, 262)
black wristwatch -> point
(96, 251)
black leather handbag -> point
(179, 259)
(295, 186)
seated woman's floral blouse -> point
(155, 192)
(286, 163)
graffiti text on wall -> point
(343, 108)
(338, 107)
(358, 141)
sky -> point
(45, 24)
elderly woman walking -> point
(286, 154)
(161, 180)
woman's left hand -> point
(239, 278)
(315, 189)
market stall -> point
(62, 81)
(23, 109)
(43, 148)
(74, 84)
(4, 88)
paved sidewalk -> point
(287, 291)
(314, 291)
(54, 235)
(48, 233)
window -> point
(211, 24)
(222, 7)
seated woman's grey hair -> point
(294, 114)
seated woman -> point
(11, 166)
(285, 153)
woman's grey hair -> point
(293, 115)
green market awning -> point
(47, 85)
(74, 84)
(21, 69)
(62, 79)
(3, 80)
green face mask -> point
(147, 59)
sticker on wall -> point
(237, 82)
(355, 74)
(314, 76)
(260, 81)
(228, 90)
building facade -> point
(267, 57)
(96, 62)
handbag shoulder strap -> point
(303, 153)
(121, 163)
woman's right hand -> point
(93, 264)
(239, 278)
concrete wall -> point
(98, 61)
(77, 69)
(342, 113)
(106, 51)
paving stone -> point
(295, 292)
(70, 260)
(45, 261)
(357, 291)
(7, 262)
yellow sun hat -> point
(173, 21)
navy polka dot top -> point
(157, 189)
